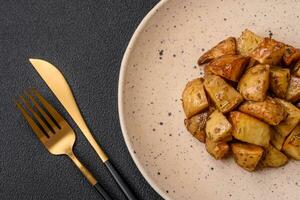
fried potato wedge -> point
(292, 144)
(277, 139)
(247, 42)
(247, 155)
(249, 129)
(269, 110)
(229, 66)
(217, 149)
(225, 47)
(252, 63)
(196, 125)
(293, 91)
(225, 97)
(218, 127)
(293, 118)
(279, 81)
(269, 51)
(194, 98)
(274, 158)
(254, 83)
(296, 69)
(290, 55)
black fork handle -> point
(119, 181)
(101, 192)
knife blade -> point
(61, 89)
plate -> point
(158, 62)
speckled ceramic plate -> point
(159, 60)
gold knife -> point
(59, 86)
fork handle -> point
(89, 176)
(119, 181)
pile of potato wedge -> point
(247, 102)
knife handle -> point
(119, 181)
(102, 192)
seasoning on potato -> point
(292, 144)
(253, 85)
(217, 149)
(247, 155)
(269, 51)
(249, 129)
(225, 97)
(228, 66)
(218, 127)
(269, 110)
(293, 118)
(293, 91)
(279, 81)
(290, 55)
(274, 157)
(226, 47)
(194, 98)
(196, 125)
(247, 42)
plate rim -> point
(124, 63)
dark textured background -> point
(86, 39)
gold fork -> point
(54, 132)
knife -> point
(61, 89)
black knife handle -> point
(101, 191)
(120, 181)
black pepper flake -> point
(270, 34)
(134, 151)
(174, 55)
(195, 67)
(212, 169)
(202, 49)
(161, 52)
(170, 135)
(158, 173)
(225, 19)
(153, 129)
(167, 191)
(169, 114)
(161, 123)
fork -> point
(53, 131)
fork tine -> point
(59, 119)
(37, 117)
(42, 112)
(36, 129)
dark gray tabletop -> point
(86, 40)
